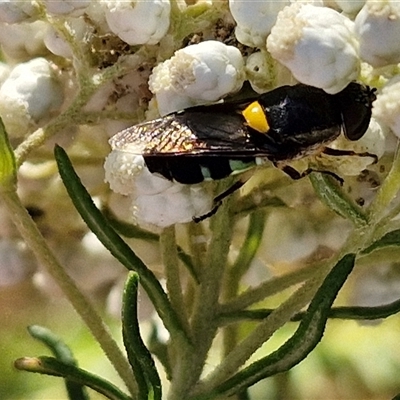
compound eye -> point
(255, 117)
(356, 121)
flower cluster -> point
(303, 41)
(75, 73)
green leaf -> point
(62, 353)
(97, 223)
(333, 196)
(389, 239)
(349, 312)
(54, 367)
(139, 356)
(8, 169)
(303, 341)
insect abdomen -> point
(195, 169)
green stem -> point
(303, 341)
(118, 248)
(234, 274)
(271, 287)
(204, 319)
(243, 351)
(84, 308)
(171, 266)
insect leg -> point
(218, 201)
(294, 174)
(338, 152)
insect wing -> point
(194, 132)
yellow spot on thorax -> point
(255, 117)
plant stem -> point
(84, 308)
(204, 319)
(171, 265)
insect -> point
(213, 142)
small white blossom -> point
(121, 169)
(387, 105)
(378, 28)
(351, 7)
(13, 11)
(255, 19)
(23, 41)
(30, 93)
(258, 72)
(58, 45)
(69, 7)
(138, 22)
(197, 74)
(178, 204)
(155, 200)
(317, 44)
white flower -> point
(155, 200)
(121, 169)
(178, 204)
(70, 7)
(13, 11)
(387, 105)
(138, 22)
(378, 27)
(30, 93)
(197, 74)
(23, 41)
(350, 6)
(317, 44)
(259, 71)
(255, 19)
(58, 45)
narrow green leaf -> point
(251, 243)
(389, 239)
(303, 341)
(138, 354)
(334, 197)
(62, 353)
(114, 243)
(8, 169)
(54, 367)
(349, 312)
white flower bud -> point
(69, 7)
(387, 105)
(259, 72)
(13, 11)
(25, 40)
(255, 19)
(178, 204)
(350, 6)
(197, 74)
(30, 93)
(378, 28)
(138, 22)
(155, 200)
(121, 169)
(58, 45)
(317, 44)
